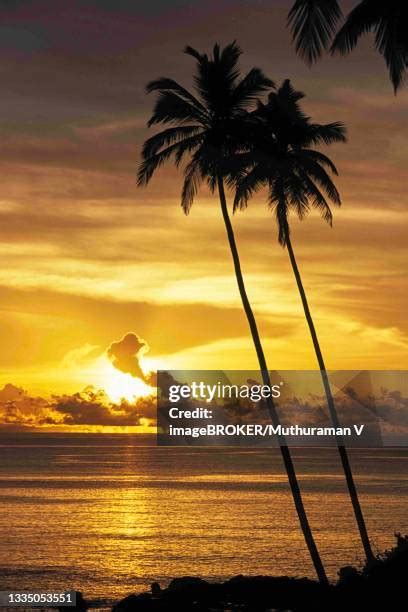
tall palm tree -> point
(297, 179)
(314, 23)
(210, 127)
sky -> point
(86, 257)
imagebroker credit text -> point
(263, 431)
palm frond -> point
(150, 164)
(188, 145)
(359, 21)
(319, 174)
(194, 53)
(313, 23)
(166, 84)
(320, 158)
(172, 108)
(288, 93)
(192, 180)
(318, 200)
(238, 167)
(283, 108)
(167, 137)
(295, 192)
(216, 78)
(247, 186)
(391, 40)
(388, 20)
(250, 88)
(228, 59)
(328, 133)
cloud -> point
(79, 356)
(71, 200)
(376, 400)
(18, 409)
(107, 128)
(126, 353)
(379, 401)
(10, 393)
(29, 320)
(90, 407)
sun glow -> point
(120, 386)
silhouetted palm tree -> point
(297, 179)
(209, 126)
(314, 24)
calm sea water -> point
(108, 515)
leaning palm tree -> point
(297, 179)
(314, 28)
(211, 126)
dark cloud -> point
(89, 407)
(125, 354)
(383, 410)
(18, 409)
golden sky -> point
(86, 257)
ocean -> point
(110, 514)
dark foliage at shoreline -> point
(380, 585)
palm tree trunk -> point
(287, 459)
(332, 409)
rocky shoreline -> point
(379, 586)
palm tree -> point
(297, 179)
(210, 126)
(314, 23)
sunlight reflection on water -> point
(111, 516)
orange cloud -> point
(88, 408)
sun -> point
(118, 385)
